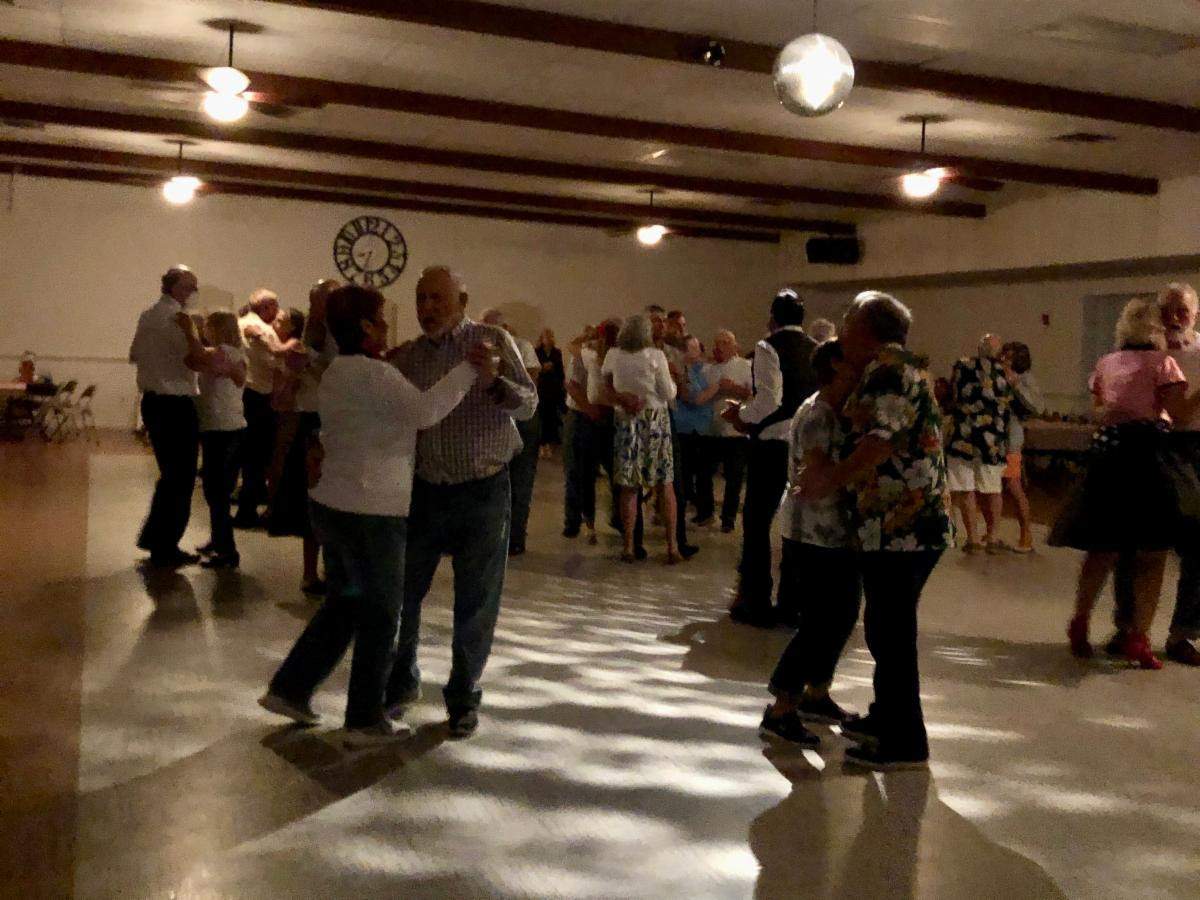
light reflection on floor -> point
(618, 754)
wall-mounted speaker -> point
(834, 251)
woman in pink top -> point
(1135, 491)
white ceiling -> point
(1007, 38)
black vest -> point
(795, 349)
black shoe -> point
(1183, 652)
(788, 728)
(463, 723)
(247, 521)
(207, 550)
(640, 554)
(746, 614)
(221, 561)
(727, 527)
(173, 559)
(571, 531)
(871, 757)
(687, 551)
(1116, 644)
(860, 729)
(516, 549)
(824, 711)
(317, 588)
(702, 520)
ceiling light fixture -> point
(225, 102)
(650, 235)
(181, 189)
(923, 183)
(814, 74)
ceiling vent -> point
(1085, 137)
(1123, 37)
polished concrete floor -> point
(617, 755)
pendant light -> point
(814, 74)
(922, 183)
(226, 102)
(181, 189)
(652, 233)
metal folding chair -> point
(56, 415)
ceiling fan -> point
(223, 91)
(922, 181)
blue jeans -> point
(468, 522)
(364, 570)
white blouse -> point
(643, 373)
(370, 416)
(219, 405)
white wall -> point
(79, 261)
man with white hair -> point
(1177, 304)
(262, 345)
(977, 450)
(461, 499)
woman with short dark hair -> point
(370, 416)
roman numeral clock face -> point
(370, 251)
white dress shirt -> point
(158, 350)
(768, 390)
(528, 353)
(1188, 357)
(643, 373)
(219, 406)
(260, 355)
(736, 369)
(370, 416)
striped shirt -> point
(479, 437)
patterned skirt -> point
(642, 455)
(1138, 493)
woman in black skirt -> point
(1136, 496)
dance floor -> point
(617, 756)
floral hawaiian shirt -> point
(979, 416)
(903, 505)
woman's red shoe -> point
(1137, 649)
(1077, 634)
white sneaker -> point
(384, 732)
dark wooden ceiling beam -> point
(655, 43)
(281, 192)
(672, 215)
(311, 91)
(401, 153)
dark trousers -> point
(823, 586)
(1185, 622)
(364, 571)
(521, 474)
(892, 585)
(174, 434)
(218, 475)
(468, 522)
(587, 448)
(698, 462)
(765, 484)
(730, 454)
(679, 463)
(257, 447)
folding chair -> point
(56, 413)
(85, 419)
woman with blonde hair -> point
(1136, 496)
(639, 383)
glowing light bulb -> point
(920, 185)
(813, 75)
(226, 80)
(649, 235)
(181, 189)
(225, 107)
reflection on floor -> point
(618, 754)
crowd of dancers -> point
(385, 459)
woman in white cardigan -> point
(639, 383)
(370, 416)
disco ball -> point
(813, 75)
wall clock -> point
(370, 251)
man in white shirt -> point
(732, 373)
(783, 379)
(259, 443)
(168, 386)
(522, 471)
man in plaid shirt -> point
(461, 501)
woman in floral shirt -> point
(893, 473)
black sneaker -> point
(463, 723)
(824, 711)
(872, 757)
(859, 729)
(787, 728)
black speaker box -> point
(834, 251)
